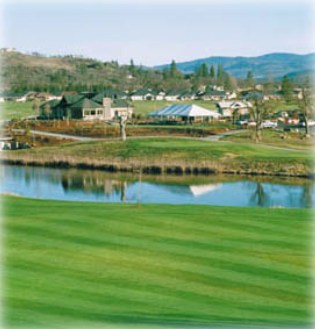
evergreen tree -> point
(173, 70)
(250, 81)
(220, 75)
(204, 71)
(287, 88)
(212, 72)
(132, 68)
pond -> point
(98, 186)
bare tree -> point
(35, 106)
(306, 105)
(258, 112)
(47, 110)
(122, 124)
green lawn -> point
(13, 110)
(170, 148)
(273, 137)
(71, 263)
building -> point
(79, 107)
(184, 112)
(142, 95)
(230, 108)
(172, 96)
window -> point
(99, 111)
(93, 112)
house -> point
(159, 95)
(142, 95)
(172, 96)
(213, 95)
(230, 108)
(80, 107)
(187, 95)
(184, 112)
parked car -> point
(241, 123)
(269, 124)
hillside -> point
(274, 65)
(24, 72)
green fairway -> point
(13, 110)
(69, 263)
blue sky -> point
(159, 32)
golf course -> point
(85, 264)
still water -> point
(97, 186)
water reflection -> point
(104, 187)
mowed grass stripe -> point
(228, 254)
(129, 262)
(214, 269)
(269, 240)
(268, 220)
(158, 296)
(182, 278)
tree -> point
(220, 75)
(204, 71)
(35, 106)
(250, 81)
(212, 73)
(287, 88)
(258, 112)
(122, 125)
(47, 110)
(305, 105)
(132, 68)
(173, 70)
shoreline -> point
(215, 168)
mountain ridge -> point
(267, 66)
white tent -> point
(185, 111)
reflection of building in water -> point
(198, 190)
(94, 184)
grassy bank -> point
(78, 263)
(294, 140)
(162, 155)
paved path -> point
(216, 138)
(64, 136)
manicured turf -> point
(68, 262)
(173, 148)
(13, 110)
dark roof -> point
(173, 93)
(71, 99)
(120, 103)
(52, 103)
(214, 93)
(141, 92)
(109, 93)
(85, 103)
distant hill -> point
(274, 65)
(35, 72)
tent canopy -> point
(184, 110)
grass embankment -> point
(159, 155)
(294, 140)
(72, 263)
